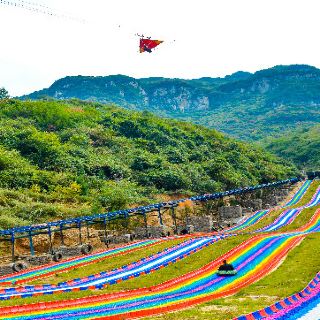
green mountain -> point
(60, 158)
(243, 105)
(302, 147)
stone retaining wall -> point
(5, 270)
(200, 223)
(230, 212)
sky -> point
(202, 38)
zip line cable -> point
(39, 8)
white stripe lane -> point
(146, 266)
(315, 201)
(282, 221)
(313, 314)
(152, 264)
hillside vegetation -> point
(244, 105)
(61, 159)
(302, 147)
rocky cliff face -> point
(269, 100)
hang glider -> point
(147, 44)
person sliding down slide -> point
(226, 269)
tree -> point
(4, 94)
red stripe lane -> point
(71, 267)
(160, 287)
(177, 306)
(263, 313)
(210, 297)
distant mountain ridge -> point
(245, 105)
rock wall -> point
(5, 270)
(152, 232)
(199, 223)
(230, 212)
(38, 260)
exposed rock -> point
(230, 212)
(200, 223)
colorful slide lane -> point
(302, 305)
(284, 219)
(281, 221)
(102, 279)
(98, 281)
(315, 199)
(299, 194)
(249, 221)
(289, 215)
(50, 269)
(253, 259)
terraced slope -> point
(47, 270)
(98, 281)
(254, 258)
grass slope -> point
(302, 263)
(302, 147)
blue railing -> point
(142, 210)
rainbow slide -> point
(258, 215)
(99, 280)
(253, 259)
(50, 269)
(289, 215)
(249, 221)
(285, 218)
(262, 248)
(315, 199)
(299, 194)
(63, 266)
(304, 305)
(135, 269)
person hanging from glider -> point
(147, 44)
(226, 269)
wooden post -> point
(80, 236)
(105, 227)
(61, 235)
(146, 223)
(12, 246)
(186, 218)
(50, 240)
(160, 216)
(173, 214)
(105, 231)
(87, 227)
(31, 243)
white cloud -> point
(212, 38)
